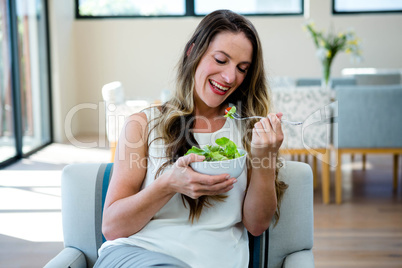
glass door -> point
(7, 135)
(25, 117)
(33, 74)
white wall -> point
(63, 64)
(142, 53)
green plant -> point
(329, 45)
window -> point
(166, 8)
(24, 79)
(122, 8)
(254, 7)
(366, 6)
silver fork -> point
(238, 117)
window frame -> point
(189, 12)
(334, 12)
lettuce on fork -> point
(230, 111)
(224, 150)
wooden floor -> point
(364, 232)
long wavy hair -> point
(251, 98)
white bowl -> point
(233, 167)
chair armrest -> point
(299, 259)
(68, 258)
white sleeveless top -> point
(218, 238)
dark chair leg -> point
(395, 181)
(364, 161)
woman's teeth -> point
(219, 86)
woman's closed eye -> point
(220, 61)
(242, 70)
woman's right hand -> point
(183, 179)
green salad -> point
(230, 111)
(224, 150)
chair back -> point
(83, 191)
(365, 79)
(294, 231)
(368, 117)
(310, 105)
(308, 82)
(113, 93)
(335, 81)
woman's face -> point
(222, 68)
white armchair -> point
(288, 244)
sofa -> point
(83, 190)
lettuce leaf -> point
(230, 111)
(224, 150)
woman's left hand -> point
(267, 136)
(260, 202)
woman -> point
(158, 211)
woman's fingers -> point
(275, 122)
(258, 129)
(268, 134)
(186, 160)
(279, 131)
(195, 184)
(266, 125)
(201, 184)
(217, 191)
(210, 180)
(218, 188)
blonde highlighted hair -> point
(251, 98)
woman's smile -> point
(218, 88)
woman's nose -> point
(229, 75)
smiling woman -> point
(153, 211)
